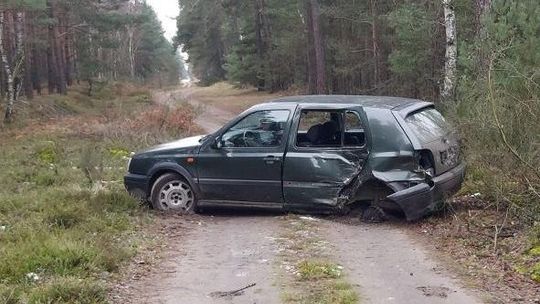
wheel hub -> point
(176, 195)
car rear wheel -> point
(172, 193)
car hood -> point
(189, 142)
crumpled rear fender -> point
(415, 201)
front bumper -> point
(418, 201)
(137, 185)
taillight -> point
(424, 159)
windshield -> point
(428, 125)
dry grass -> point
(66, 222)
(226, 96)
(488, 248)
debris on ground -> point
(434, 291)
(233, 293)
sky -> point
(167, 11)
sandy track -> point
(221, 254)
(388, 267)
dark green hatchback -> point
(312, 154)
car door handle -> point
(271, 159)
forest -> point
(478, 60)
(84, 84)
(47, 46)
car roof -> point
(380, 102)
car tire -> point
(171, 193)
(373, 214)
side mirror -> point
(218, 143)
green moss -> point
(535, 251)
(47, 153)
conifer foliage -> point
(48, 45)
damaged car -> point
(317, 154)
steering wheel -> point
(249, 138)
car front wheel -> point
(171, 193)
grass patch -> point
(69, 290)
(316, 270)
(310, 276)
(65, 217)
(336, 292)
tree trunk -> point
(67, 51)
(375, 43)
(482, 9)
(27, 82)
(8, 72)
(60, 62)
(131, 51)
(450, 73)
(314, 30)
(261, 41)
(52, 72)
(18, 59)
(56, 68)
(37, 62)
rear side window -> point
(428, 125)
(330, 128)
(354, 130)
(319, 129)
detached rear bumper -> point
(137, 185)
(421, 199)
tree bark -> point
(131, 51)
(482, 7)
(261, 41)
(314, 30)
(27, 82)
(450, 67)
(19, 58)
(375, 42)
(52, 72)
(37, 62)
(60, 60)
(67, 51)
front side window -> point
(259, 129)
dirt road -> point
(223, 253)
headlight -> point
(129, 163)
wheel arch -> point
(372, 188)
(376, 191)
(168, 167)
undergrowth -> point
(66, 222)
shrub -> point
(499, 106)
